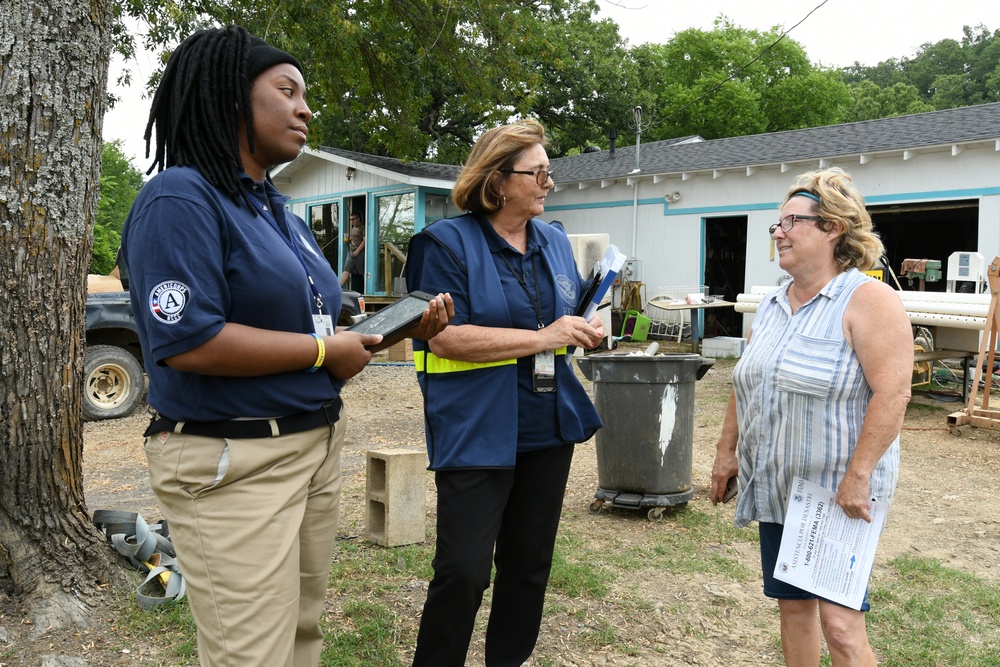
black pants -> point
(517, 512)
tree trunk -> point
(53, 78)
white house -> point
(694, 212)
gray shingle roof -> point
(912, 132)
(687, 154)
(446, 172)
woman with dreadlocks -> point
(235, 306)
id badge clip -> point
(544, 376)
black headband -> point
(263, 56)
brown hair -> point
(841, 204)
(476, 187)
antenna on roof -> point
(637, 112)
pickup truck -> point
(114, 380)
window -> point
(323, 221)
(395, 227)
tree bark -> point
(53, 77)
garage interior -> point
(927, 231)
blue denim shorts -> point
(770, 540)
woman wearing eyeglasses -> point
(820, 394)
(502, 404)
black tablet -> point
(396, 316)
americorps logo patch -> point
(168, 300)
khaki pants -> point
(253, 522)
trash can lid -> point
(658, 369)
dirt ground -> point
(945, 508)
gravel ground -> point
(945, 509)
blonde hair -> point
(841, 204)
(476, 187)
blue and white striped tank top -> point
(801, 399)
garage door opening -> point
(725, 271)
(926, 231)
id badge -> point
(544, 376)
(323, 324)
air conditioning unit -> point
(966, 272)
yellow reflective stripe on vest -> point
(428, 362)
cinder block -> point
(401, 351)
(396, 490)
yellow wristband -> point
(320, 355)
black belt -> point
(251, 428)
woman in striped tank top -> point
(820, 394)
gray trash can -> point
(644, 450)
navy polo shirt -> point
(198, 259)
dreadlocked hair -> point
(204, 84)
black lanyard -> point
(536, 301)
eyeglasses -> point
(542, 176)
(786, 223)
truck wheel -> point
(113, 383)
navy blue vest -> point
(470, 409)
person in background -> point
(819, 393)
(235, 306)
(503, 407)
(354, 265)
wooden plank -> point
(942, 354)
(958, 418)
(983, 422)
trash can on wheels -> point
(645, 449)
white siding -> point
(668, 238)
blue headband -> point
(803, 193)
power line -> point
(739, 70)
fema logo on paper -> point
(168, 300)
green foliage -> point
(731, 82)
(588, 79)
(421, 79)
(106, 242)
(871, 102)
(120, 184)
(941, 75)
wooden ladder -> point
(983, 417)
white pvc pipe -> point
(951, 321)
(947, 308)
(940, 303)
(949, 297)
(916, 318)
(925, 317)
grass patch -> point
(170, 626)
(697, 541)
(361, 568)
(577, 570)
(922, 612)
(369, 638)
(926, 614)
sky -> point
(837, 33)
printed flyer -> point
(822, 550)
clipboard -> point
(588, 295)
